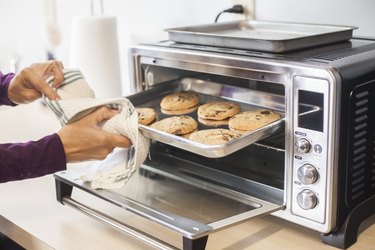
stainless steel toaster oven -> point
(314, 167)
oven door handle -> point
(117, 224)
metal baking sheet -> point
(210, 91)
(263, 36)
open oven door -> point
(179, 195)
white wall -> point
(22, 25)
(23, 31)
(358, 13)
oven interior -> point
(245, 171)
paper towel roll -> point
(94, 50)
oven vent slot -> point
(361, 149)
(343, 53)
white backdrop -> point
(22, 22)
(22, 25)
(360, 13)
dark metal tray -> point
(262, 35)
(210, 91)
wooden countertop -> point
(31, 216)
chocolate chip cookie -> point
(213, 136)
(146, 115)
(213, 123)
(179, 103)
(251, 120)
(177, 125)
(218, 110)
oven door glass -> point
(186, 196)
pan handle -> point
(117, 224)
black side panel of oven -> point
(356, 170)
(360, 165)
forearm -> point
(31, 159)
(4, 84)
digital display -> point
(310, 100)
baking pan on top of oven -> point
(263, 36)
(210, 91)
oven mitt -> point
(78, 100)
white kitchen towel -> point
(78, 100)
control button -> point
(318, 149)
(303, 146)
(297, 183)
(298, 157)
(307, 174)
(306, 199)
(300, 133)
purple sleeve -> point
(31, 159)
(4, 84)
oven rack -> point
(274, 142)
(208, 91)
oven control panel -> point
(310, 153)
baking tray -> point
(263, 36)
(210, 91)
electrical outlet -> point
(249, 6)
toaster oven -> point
(314, 167)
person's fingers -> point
(57, 71)
(35, 81)
(119, 141)
(103, 113)
(17, 92)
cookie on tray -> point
(179, 111)
(213, 123)
(218, 110)
(252, 120)
(188, 134)
(177, 125)
(213, 136)
(146, 115)
(179, 103)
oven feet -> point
(62, 190)
(346, 235)
(197, 244)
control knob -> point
(307, 174)
(303, 146)
(306, 199)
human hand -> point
(30, 83)
(83, 140)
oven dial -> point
(307, 174)
(303, 146)
(306, 199)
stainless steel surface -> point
(152, 241)
(303, 146)
(321, 90)
(210, 91)
(261, 35)
(307, 174)
(306, 199)
(298, 178)
(155, 193)
(293, 74)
